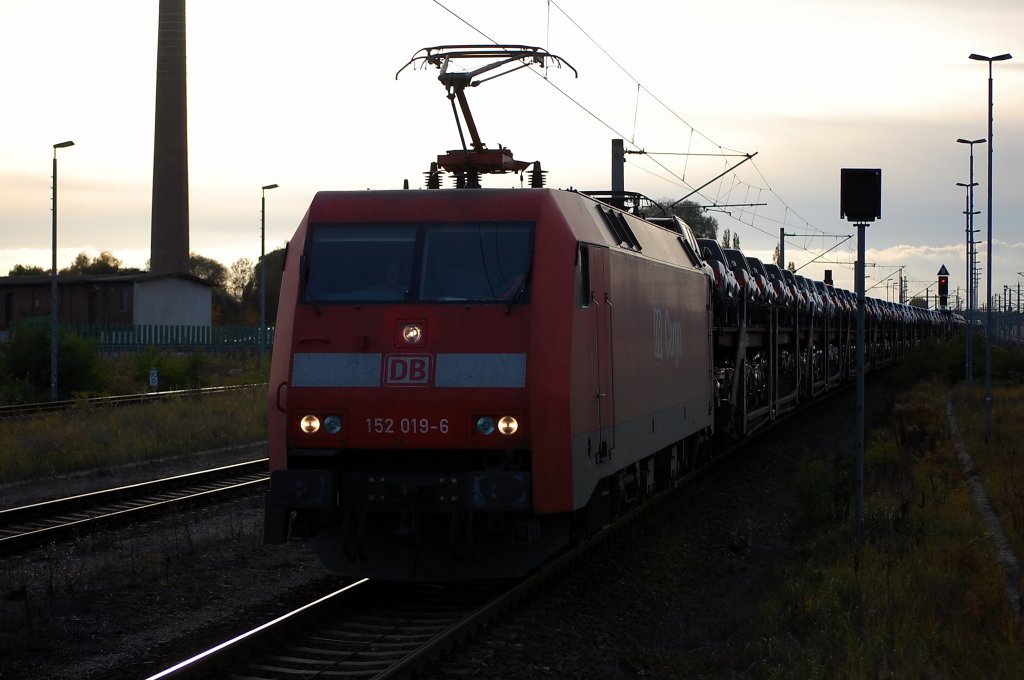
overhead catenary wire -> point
(693, 130)
(747, 218)
(575, 101)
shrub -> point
(175, 371)
(25, 364)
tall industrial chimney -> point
(169, 231)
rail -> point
(367, 629)
(23, 410)
(29, 526)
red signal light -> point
(943, 290)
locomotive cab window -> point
(359, 263)
(450, 262)
(583, 293)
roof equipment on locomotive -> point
(467, 164)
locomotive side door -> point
(602, 304)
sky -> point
(305, 95)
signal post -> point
(860, 199)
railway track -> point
(29, 526)
(367, 629)
(383, 631)
(27, 410)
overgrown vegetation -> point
(90, 436)
(83, 372)
(946, 362)
(97, 436)
(1000, 461)
(25, 365)
(924, 596)
(103, 437)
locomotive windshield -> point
(447, 262)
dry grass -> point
(924, 597)
(999, 461)
(104, 437)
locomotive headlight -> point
(310, 424)
(332, 424)
(508, 425)
(412, 333)
(485, 425)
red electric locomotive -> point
(463, 378)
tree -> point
(207, 269)
(224, 308)
(702, 224)
(22, 270)
(25, 363)
(919, 302)
(730, 240)
(791, 266)
(240, 277)
(274, 262)
(79, 266)
(104, 263)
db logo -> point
(407, 369)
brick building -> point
(130, 300)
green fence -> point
(210, 338)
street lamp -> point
(1018, 308)
(53, 279)
(970, 259)
(263, 274)
(988, 284)
(1007, 308)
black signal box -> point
(860, 194)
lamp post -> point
(263, 274)
(988, 283)
(53, 279)
(1008, 307)
(970, 257)
(1018, 308)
